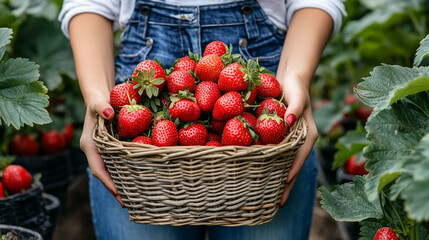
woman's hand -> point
(298, 101)
(100, 106)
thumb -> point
(295, 107)
(105, 110)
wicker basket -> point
(199, 185)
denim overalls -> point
(168, 32)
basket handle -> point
(100, 123)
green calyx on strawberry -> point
(252, 72)
(238, 132)
(133, 120)
(385, 233)
(273, 105)
(228, 57)
(270, 128)
(146, 83)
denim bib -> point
(168, 32)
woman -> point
(167, 30)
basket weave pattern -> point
(199, 185)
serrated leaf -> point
(389, 83)
(350, 144)
(16, 72)
(349, 202)
(393, 134)
(368, 228)
(422, 51)
(5, 36)
(400, 185)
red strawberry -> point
(194, 134)
(356, 166)
(232, 78)
(1, 191)
(385, 233)
(214, 144)
(270, 86)
(180, 80)
(207, 93)
(209, 68)
(149, 78)
(215, 47)
(228, 106)
(217, 126)
(237, 132)
(68, 133)
(214, 137)
(251, 97)
(24, 145)
(165, 134)
(350, 99)
(133, 120)
(185, 64)
(122, 94)
(53, 142)
(16, 179)
(272, 105)
(270, 128)
(363, 113)
(186, 110)
(250, 119)
(143, 140)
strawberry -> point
(133, 120)
(272, 105)
(121, 95)
(165, 134)
(237, 132)
(213, 144)
(356, 166)
(180, 80)
(16, 179)
(363, 113)
(249, 118)
(185, 64)
(217, 126)
(232, 78)
(1, 191)
(149, 78)
(385, 233)
(194, 134)
(24, 145)
(207, 93)
(185, 109)
(165, 102)
(270, 128)
(215, 47)
(250, 97)
(350, 99)
(209, 68)
(228, 106)
(53, 142)
(68, 133)
(270, 86)
(143, 140)
(214, 137)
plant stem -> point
(412, 230)
(389, 218)
(397, 214)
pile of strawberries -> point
(15, 179)
(215, 100)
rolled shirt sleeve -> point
(109, 9)
(335, 8)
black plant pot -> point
(26, 209)
(55, 170)
(343, 177)
(19, 232)
(52, 206)
(326, 160)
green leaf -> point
(388, 83)
(422, 51)
(393, 133)
(326, 116)
(349, 202)
(350, 144)
(38, 8)
(368, 228)
(400, 185)
(5, 36)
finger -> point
(104, 109)
(305, 150)
(295, 107)
(287, 190)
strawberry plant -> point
(394, 192)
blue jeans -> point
(167, 32)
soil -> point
(14, 235)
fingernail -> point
(107, 112)
(290, 119)
(282, 206)
(123, 205)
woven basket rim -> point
(105, 139)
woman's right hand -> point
(100, 106)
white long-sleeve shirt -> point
(278, 11)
